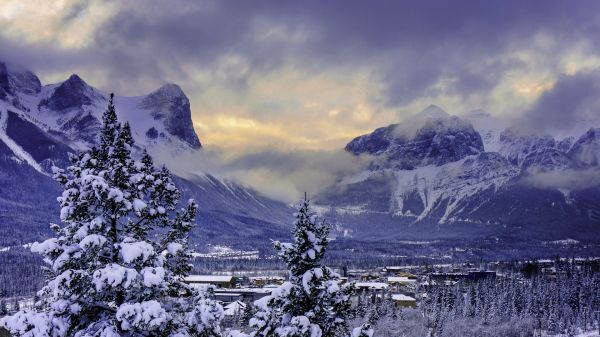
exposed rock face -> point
(5, 88)
(516, 147)
(374, 143)
(170, 104)
(437, 141)
(586, 150)
(152, 133)
(547, 159)
(15, 81)
(565, 144)
(26, 82)
(73, 93)
(75, 109)
(46, 149)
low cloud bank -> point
(280, 174)
(570, 179)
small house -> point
(403, 301)
(226, 281)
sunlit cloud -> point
(68, 23)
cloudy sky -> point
(312, 75)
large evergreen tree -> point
(117, 263)
(312, 303)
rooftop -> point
(208, 278)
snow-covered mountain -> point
(437, 140)
(586, 150)
(41, 124)
(441, 172)
(73, 109)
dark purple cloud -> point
(413, 44)
(574, 98)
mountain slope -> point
(41, 125)
(434, 141)
(412, 187)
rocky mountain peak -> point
(15, 80)
(547, 159)
(420, 142)
(586, 150)
(73, 93)
(433, 111)
(170, 90)
(75, 82)
(170, 104)
(516, 146)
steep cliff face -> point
(170, 105)
(516, 147)
(586, 150)
(16, 82)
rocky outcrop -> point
(432, 141)
(170, 105)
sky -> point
(289, 76)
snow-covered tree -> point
(312, 303)
(364, 330)
(117, 263)
(247, 314)
(3, 308)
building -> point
(401, 280)
(401, 270)
(468, 276)
(248, 295)
(403, 301)
(481, 275)
(226, 281)
(234, 308)
(261, 281)
(402, 283)
(369, 277)
(228, 297)
(376, 286)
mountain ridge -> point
(39, 128)
(486, 185)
